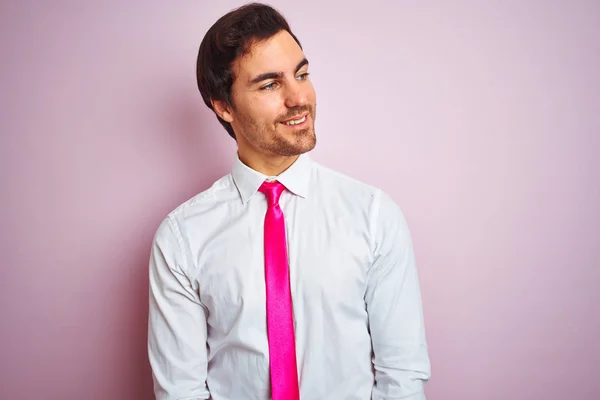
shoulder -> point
(343, 183)
(382, 203)
(200, 204)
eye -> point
(269, 86)
(303, 76)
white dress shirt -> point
(356, 299)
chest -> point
(328, 250)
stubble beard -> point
(268, 139)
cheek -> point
(310, 92)
(254, 109)
(267, 109)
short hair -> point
(228, 39)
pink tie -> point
(280, 323)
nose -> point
(296, 94)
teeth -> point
(296, 121)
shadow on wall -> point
(204, 150)
(193, 151)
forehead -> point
(279, 53)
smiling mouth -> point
(298, 121)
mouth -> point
(296, 122)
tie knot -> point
(272, 190)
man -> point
(285, 279)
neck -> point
(272, 165)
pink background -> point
(482, 119)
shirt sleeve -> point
(394, 307)
(176, 321)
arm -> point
(176, 321)
(394, 307)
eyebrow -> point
(277, 75)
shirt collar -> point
(296, 178)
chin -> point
(295, 146)
(304, 141)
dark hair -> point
(229, 38)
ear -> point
(222, 109)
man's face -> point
(273, 101)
